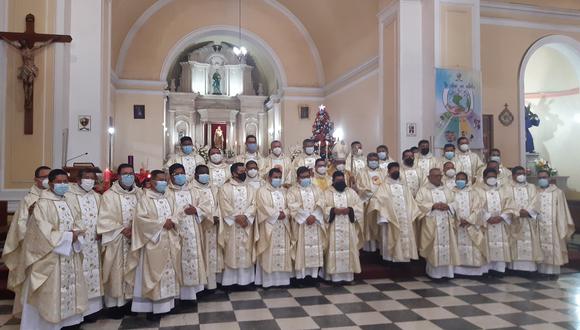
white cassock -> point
(54, 294)
(274, 250)
(87, 204)
(310, 239)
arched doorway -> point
(550, 86)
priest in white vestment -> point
(449, 175)
(306, 205)
(396, 212)
(277, 159)
(449, 155)
(320, 178)
(555, 225)
(503, 174)
(189, 208)
(253, 177)
(238, 232)
(384, 159)
(13, 246)
(368, 181)
(219, 170)
(55, 291)
(425, 160)
(82, 197)
(356, 159)
(467, 161)
(438, 243)
(213, 254)
(308, 157)
(251, 152)
(156, 238)
(524, 242)
(115, 225)
(471, 240)
(186, 157)
(275, 248)
(411, 175)
(496, 215)
(343, 212)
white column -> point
(85, 92)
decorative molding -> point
(304, 91)
(139, 91)
(388, 13)
(347, 78)
(138, 84)
(510, 8)
(552, 94)
(354, 82)
(529, 25)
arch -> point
(159, 4)
(232, 31)
(568, 47)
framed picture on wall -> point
(139, 111)
(304, 111)
(85, 123)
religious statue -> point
(216, 83)
(532, 120)
(218, 138)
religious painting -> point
(218, 135)
(84, 123)
(458, 107)
(138, 111)
(304, 111)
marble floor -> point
(508, 302)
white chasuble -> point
(442, 240)
(469, 238)
(218, 176)
(280, 239)
(342, 235)
(91, 249)
(313, 247)
(189, 163)
(68, 274)
(243, 257)
(497, 235)
(411, 178)
(524, 244)
(168, 285)
(547, 238)
(405, 228)
(213, 255)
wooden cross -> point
(27, 43)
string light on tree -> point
(322, 131)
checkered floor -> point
(416, 303)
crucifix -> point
(27, 43)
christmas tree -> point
(322, 131)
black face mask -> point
(409, 161)
(395, 175)
(242, 177)
(424, 151)
(339, 186)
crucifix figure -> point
(27, 43)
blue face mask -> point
(187, 149)
(161, 186)
(461, 184)
(543, 183)
(128, 180)
(180, 179)
(203, 178)
(60, 188)
(252, 147)
(306, 182)
(276, 182)
(449, 154)
(373, 164)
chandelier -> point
(241, 51)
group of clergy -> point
(264, 220)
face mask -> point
(252, 147)
(128, 180)
(521, 178)
(305, 183)
(161, 186)
(495, 158)
(409, 161)
(277, 151)
(382, 155)
(203, 178)
(216, 158)
(309, 150)
(180, 179)
(450, 173)
(87, 184)
(45, 183)
(543, 183)
(321, 170)
(252, 173)
(491, 181)
(464, 147)
(276, 182)
(242, 177)
(395, 175)
(341, 167)
(187, 149)
(424, 151)
(449, 155)
(373, 164)
(460, 184)
(339, 186)
(60, 188)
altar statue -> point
(532, 120)
(218, 138)
(216, 83)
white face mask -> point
(309, 150)
(340, 167)
(382, 155)
(521, 178)
(87, 184)
(321, 170)
(464, 147)
(252, 173)
(450, 173)
(216, 158)
(277, 151)
(45, 183)
(495, 159)
(491, 181)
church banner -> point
(458, 106)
